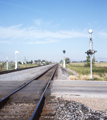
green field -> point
(28, 65)
(19, 66)
(99, 70)
(11, 65)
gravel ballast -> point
(62, 74)
(72, 110)
(27, 74)
(72, 107)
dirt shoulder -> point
(93, 103)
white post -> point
(7, 63)
(91, 48)
(64, 62)
(16, 52)
(91, 44)
(91, 76)
(15, 61)
(64, 66)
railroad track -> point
(9, 71)
(27, 101)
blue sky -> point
(42, 29)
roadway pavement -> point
(78, 88)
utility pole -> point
(7, 63)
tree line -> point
(39, 61)
(11, 64)
(87, 61)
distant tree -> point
(50, 62)
(35, 61)
(31, 61)
(39, 60)
(88, 61)
(43, 60)
(88, 58)
(67, 60)
(87, 64)
(84, 60)
(27, 62)
(19, 62)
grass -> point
(70, 72)
(99, 71)
(19, 66)
(101, 64)
(28, 65)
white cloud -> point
(102, 34)
(17, 33)
(42, 42)
(7, 42)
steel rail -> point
(4, 100)
(38, 109)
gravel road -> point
(24, 74)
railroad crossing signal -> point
(64, 59)
(91, 52)
(64, 51)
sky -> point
(42, 29)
